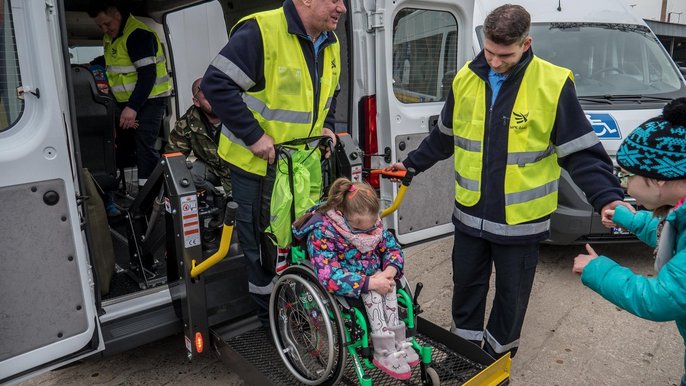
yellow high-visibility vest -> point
(532, 171)
(285, 107)
(121, 72)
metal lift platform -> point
(246, 349)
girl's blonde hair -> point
(349, 198)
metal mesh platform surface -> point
(452, 368)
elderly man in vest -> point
(137, 75)
(275, 80)
(511, 120)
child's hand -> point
(581, 260)
(390, 272)
(380, 284)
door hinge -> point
(375, 20)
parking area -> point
(571, 336)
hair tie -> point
(353, 191)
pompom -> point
(675, 112)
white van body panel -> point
(56, 264)
(427, 209)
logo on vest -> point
(333, 63)
(114, 51)
(520, 121)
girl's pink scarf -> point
(364, 242)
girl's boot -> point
(403, 344)
(387, 358)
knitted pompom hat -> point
(657, 148)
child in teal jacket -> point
(653, 163)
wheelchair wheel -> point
(307, 328)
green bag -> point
(296, 188)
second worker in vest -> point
(275, 80)
(137, 75)
(511, 120)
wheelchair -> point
(316, 332)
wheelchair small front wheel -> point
(307, 328)
(432, 377)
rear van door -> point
(419, 49)
(47, 309)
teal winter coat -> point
(660, 298)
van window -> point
(608, 59)
(11, 106)
(84, 54)
(424, 55)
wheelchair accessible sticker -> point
(191, 225)
(604, 125)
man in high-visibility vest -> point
(511, 120)
(137, 75)
(275, 80)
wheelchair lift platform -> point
(246, 349)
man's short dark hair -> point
(507, 24)
(95, 7)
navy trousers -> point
(246, 189)
(515, 267)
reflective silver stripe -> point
(266, 290)
(328, 103)
(527, 157)
(131, 86)
(164, 94)
(467, 183)
(443, 129)
(531, 194)
(581, 143)
(232, 137)
(234, 72)
(286, 116)
(144, 62)
(467, 144)
(121, 69)
(501, 229)
(497, 347)
(467, 334)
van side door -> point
(418, 51)
(48, 315)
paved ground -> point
(571, 336)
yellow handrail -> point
(407, 180)
(224, 243)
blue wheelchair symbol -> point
(604, 126)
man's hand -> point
(581, 260)
(127, 119)
(609, 210)
(397, 166)
(329, 133)
(264, 148)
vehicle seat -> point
(95, 125)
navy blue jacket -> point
(245, 51)
(590, 169)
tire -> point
(307, 328)
(432, 377)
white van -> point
(623, 77)
(67, 291)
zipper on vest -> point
(484, 159)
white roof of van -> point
(588, 11)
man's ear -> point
(526, 44)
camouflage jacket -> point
(191, 134)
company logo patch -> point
(604, 125)
(333, 63)
(521, 117)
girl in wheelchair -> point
(354, 256)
